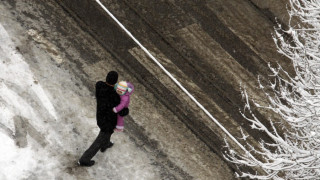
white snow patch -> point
(15, 70)
(14, 162)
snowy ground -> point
(34, 131)
(39, 139)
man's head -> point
(112, 78)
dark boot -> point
(88, 164)
(103, 149)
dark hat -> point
(112, 77)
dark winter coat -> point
(107, 98)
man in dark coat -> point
(107, 98)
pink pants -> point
(120, 122)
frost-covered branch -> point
(295, 151)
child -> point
(124, 89)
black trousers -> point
(102, 141)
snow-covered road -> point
(48, 68)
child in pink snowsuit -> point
(124, 89)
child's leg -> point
(120, 122)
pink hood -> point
(131, 87)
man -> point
(107, 98)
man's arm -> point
(99, 86)
(121, 105)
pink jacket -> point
(125, 99)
